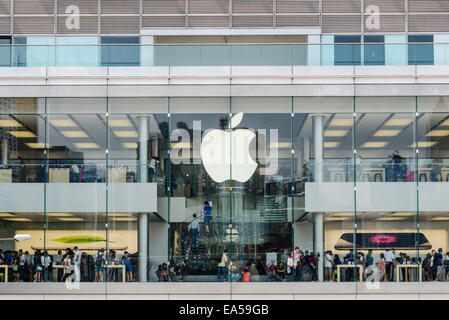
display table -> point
(406, 267)
(340, 266)
(61, 175)
(115, 266)
(6, 267)
(5, 175)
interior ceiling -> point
(54, 217)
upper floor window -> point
(120, 51)
(347, 51)
(420, 50)
(374, 50)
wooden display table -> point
(61, 175)
(350, 266)
(406, 267)
(117, 175)
(5, 175)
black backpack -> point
(99, 261)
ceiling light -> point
(86, 145)
(130, 145)
(63, 123)
(124, 219)
(335, 133)
(342, 214)
(440, 219)
(6, 214)
(119, 123)
(336, 219)
(390, 219)
(74, 134)
(180, 145)
(445, 123)
(18, 219)
(387, 133)
(329, 144)
(37, 145)
(424, 144)
(22, 134)
(57, 214)
(402, 214)
(374, 144)
(9, 123)
(70, 219)
(281, 145)
(397, 122)
(438, 133)
(342, 122)
(126, 134)
(116, 214)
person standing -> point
(77, 264)
(207, 216)
(194, 231)
(297, 256)
(439, 263)
(390, 259)
(328, 264)
(222, 266)
(99, 265)
(152, 166)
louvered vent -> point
(5, 6)
(5, 25)
(33, 7)
(163, 6)
(88, 25)
(298, 6)
(388, 23)
(163, 22)
(208, 6)
(387, 6)
(336, 24)
(119, 25)
(252, 6)
(428, 23)
(298, 21)
(346, 6)
(33, 25)
(252, 21)
(120, 6)
(85, 6)
(428, 6)
(208, 22)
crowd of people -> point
(70, 265)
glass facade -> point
(156, 189)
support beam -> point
(143, 227)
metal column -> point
(318, 223)
(143, 222)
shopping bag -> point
(246, 277)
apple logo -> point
(225, 153)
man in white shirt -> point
(193, 229)
(77, 264)
(390, 260)
(328, 266)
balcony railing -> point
(377, 54)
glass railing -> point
(394, 54)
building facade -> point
(317, 124)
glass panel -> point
(386, 189)
(120, 51)
(433, 177)
(420, 52)
(77, 51)
(137, 198)
(374, 50)
(34, 51)
(198, 174)
(347, 54)
(324, 194)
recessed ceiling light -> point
(57, 214)
(86, 145)
(63, 123)
(424, 144)
(396, 122)
(387, 133)
(130, 145)
(379, 144)
(180, 145)
(331, 144)
(116, 214)
(438, 133)
(336, 219)
(70, 219)
(119, 123)
(22, 134)
(342, 214)
(124, 219)
(402, 214)
(341, 122)
(18, 219)
(37, 145)
(335, 133)
(440, 218)
(6, 214)
(74, 134)
(126, 134)
(445, 123)
(389, 219)
(9, 123)
(281, 145)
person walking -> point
(222, 266)
(207, 216)
(77, 264)
(194, 231)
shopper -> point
(328, 265)
(99, 265)
(297, 256)
(390, 261)
(77, 264)
(234, 271)
(439, 264)
(382, 268)
(280, 272)
(222, 266)
(207, 216)
(271, 270)
(128, 267)
(194, 231)
(37, 265)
